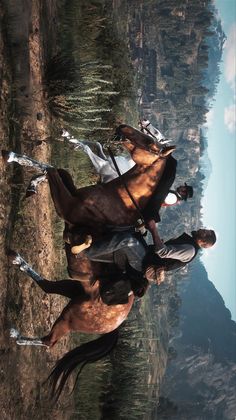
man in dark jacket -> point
(124, 248)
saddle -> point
(117, 290)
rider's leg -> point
(103, 250)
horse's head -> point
(143, 148)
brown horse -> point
(93, 207)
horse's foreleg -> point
(67, 288)
(77, 144)
(97, 161)
(68, 181)
(65, 203)
(24, 160)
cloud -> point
(230, 118)
(230, 57)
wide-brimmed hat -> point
(189, 192)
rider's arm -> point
(151, 226)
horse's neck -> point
(144, 180)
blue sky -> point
(219, 202)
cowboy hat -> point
(189, 192)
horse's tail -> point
(86, 353)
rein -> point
(124, 183)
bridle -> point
(147, 149)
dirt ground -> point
(26, 225)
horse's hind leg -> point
(59, 329)
(67, 288)
(26, 341)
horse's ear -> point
(167, 151)
(119, 135)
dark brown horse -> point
(93, 207)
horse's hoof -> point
(14, 333)
(30, 192)
(14, 257)
(64, 133)
(76, 249)
(166, 151)
(7, 156)
(11, 254)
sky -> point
(219, 202)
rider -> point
(141, 264)
(125, 249)
(183, 192)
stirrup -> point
(76, 249)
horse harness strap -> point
(124, 183)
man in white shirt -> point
(183, 192)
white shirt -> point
(171, 199)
